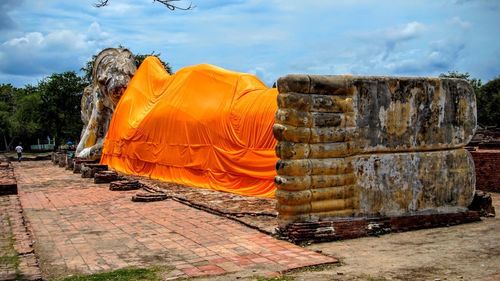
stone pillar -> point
(78, 162)
(89, 169)
(62, 159)
(70, 155)
(372, 147)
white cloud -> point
(385, 42)
(397, 35)
(35, 53)
(33, 39)
(402, 33)
(263, 74)
(457, 21)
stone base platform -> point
(348, 228)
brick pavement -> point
(81, 227)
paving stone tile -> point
(93, 229)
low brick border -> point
(323, 231)
(28, 266)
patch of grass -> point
(311, 268)
(124, 274)
(370, 278)
(10, 260)
(9, 255)
(277, 278)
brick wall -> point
(487, 164)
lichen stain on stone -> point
(384, 186)
(412, 114)
(396, 118)
(462, 110)
(400, 183)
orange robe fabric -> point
(203, 127)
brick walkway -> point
(82, 227)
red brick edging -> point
(323, 231)
(28, 266)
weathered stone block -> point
(403, 183)
(62, 159)
(106, 177)
(123, 185)
(373, 146)
(315, 103)
(483, 204)
(89, 169)
(413, 114)
(309, 119)
(78, 162)
(311, 135)
(290, 150)
(302, 167)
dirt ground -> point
(464, 252)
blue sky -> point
(269, 38)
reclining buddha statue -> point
(204, 126)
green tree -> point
(25, 120)
(140, 58)
(488, 99)
(475, 83)
(60, 96)
(7, 93)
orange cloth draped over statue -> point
(204, 126)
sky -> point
(268, 38)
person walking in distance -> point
(19, 150)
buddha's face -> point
(114, 73)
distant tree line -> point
(49, 109)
